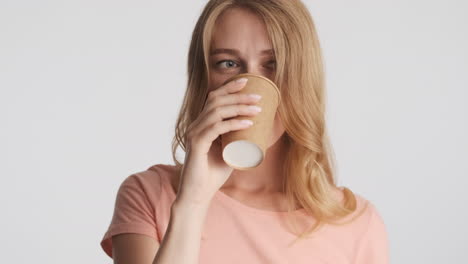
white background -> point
(90, 91)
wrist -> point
(184, 206)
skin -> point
(244, 31)
(259, 187)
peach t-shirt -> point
(236, 233)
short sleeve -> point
(134, 209)
(374, 245)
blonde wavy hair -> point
(309, 165)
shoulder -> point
(371, 213)
(142, 205)
(366, 217)
(166, 170)
(150, 182)
(167, 175)
(154, 174)
(372, 241)
(372, 227)
(364, 206)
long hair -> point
(309, 167)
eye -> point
(272, 63)
(230, 62)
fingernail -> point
(241, 80)
(255, 96)
(247, 122)
(255, 108)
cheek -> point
(215, 82)
(278, 130)
(213, 86)
(217, 79)
(278, 125)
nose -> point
(257, 70)
(252, 69)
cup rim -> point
(257, 76)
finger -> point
(234, 98)
(224, 112)
(212, 132)
(230, 87)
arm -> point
(133, 248)
(180, 245)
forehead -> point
(241, 29)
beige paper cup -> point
(246, 148)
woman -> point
(288, 209)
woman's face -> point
(240, 44)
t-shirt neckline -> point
(233, 203)
(226, 199)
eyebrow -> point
(236, 52)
